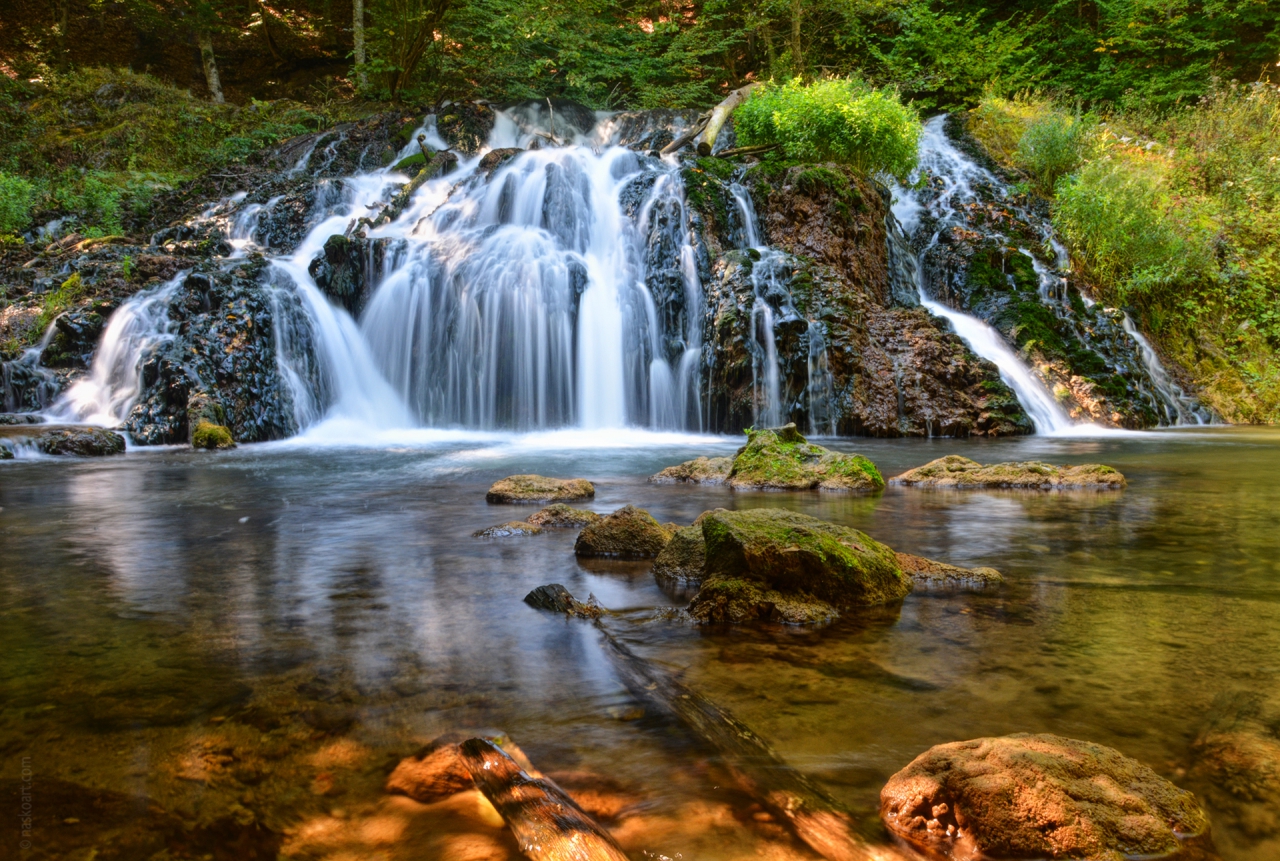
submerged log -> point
(720, 115)
(816, 818)
(546, 822)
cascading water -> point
(953, 190)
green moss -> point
(717, 167)
(782, 459)
(68, 294)
(628, 533)
(207, 435)
(412, 164)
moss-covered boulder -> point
(516, 489)
(628, 533)
(931, 574)
(741, 601)
(700, 470)
(954, 471)
(508, 530)
(208, 435)
(83, 442)
(682, 561)
(561, 516)
(1037, 796)
(782, 459)
(800, 558)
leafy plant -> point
(16, 196)
(1052, 147)
(840, 120)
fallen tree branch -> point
(746, 150)
(720, 115)
(696, 130)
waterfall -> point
(955, 180)
(1180, 408)
(114, 382)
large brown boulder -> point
(752, 554)
(538, 488)
(954, 471)
(628, 533)
(84, 442)
(1034, 797)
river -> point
(225, 655)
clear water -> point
(223, 655)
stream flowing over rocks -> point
(522, 269)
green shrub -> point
(1052, 147)
(838, 120)
(15, 203)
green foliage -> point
(16, 196)
(1052, 147)
(68, 294)
(836, 120)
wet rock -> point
(434, 773)
(682, 561)
(496, 158)
(339, 271)
(561, 516)
(770, 556)
(1236, 758)
(538, 488)
(465, 126)
(954, 471)
(558, 599)
(628, 533)
(508, 530)
(781, 459)
(930, 574)
(20, 419)
(5, 453)
(1037, 796)
(83, 442)
(700, 470)
(209, 436)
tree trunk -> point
(357, 35)
(547, 823)
(210, 68)
(797, 61)
(719, 116)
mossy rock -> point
(411, 164)
(743, 601)
(515, 489)
(84, 442)
(700, 470)
(508, 530)
(561, 516)
(954, 471)
(782, 459)
(931, 574)
(628, 533)
(800, 556)
(683, 560)
(208, 435)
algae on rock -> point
(954, 471)
(629, 533)
(682, 561)
(538, 488)
(700, 470)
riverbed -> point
(225, 654)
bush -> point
(836, 120)
(15, 203)
(1052, 147)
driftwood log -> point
(546, 822)
(692, 133)
(816, 818)
(719, 116)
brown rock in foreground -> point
(954, 471)
(931, 574)
(538, 488)
(1037, 796)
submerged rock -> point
(782, 459)
(433, 774)
(84, 442)
(931, 574)
(507, 530)
(1236, 757)
(770, 556)
(538, 488)
(629, 533)
(700, 470)
(561, 516)
(954, 471)
(1037, 796)
(683, 560)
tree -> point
(357, 36)
(403, 31)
